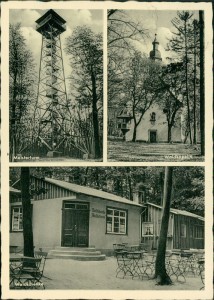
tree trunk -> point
(202, 110)
(129, 184)
(13, 121)
(95, 117)
(186, 83)
(194, 88)
(27, 212)
(169, 133)
(134, 133)
(160, 268)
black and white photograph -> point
(155, 85)
(107, 228)
(56, 85)
(106, 147)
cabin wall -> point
(154, 215)
(98, 236)
(189, 233)
(47, 223)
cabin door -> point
(75, 224)
(153, 136)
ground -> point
(101, 275)
(119, 150)
(54, 159)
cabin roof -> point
(179, 212)
(79, 189)
(13, 190)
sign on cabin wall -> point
(98, 213)
(147, 228)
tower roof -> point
(50, 18)
(52, 13)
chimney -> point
(109, 184)
(139, 193)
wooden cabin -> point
(69, 215)
(185, 230)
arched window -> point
(153, 116)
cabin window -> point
(116, 221)
(16, 224)
(199, 232)
(183, 230)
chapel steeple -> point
(155, 53)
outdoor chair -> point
(176, 268)
(124, 264)
(189, 261)
(27, 275)
(139, 264)
(149, 263)
(201, 271)
(14, 271)
(43, 255)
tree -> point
(188, 189)
(184, 48)
(170, 95)
(123, 31)
(85, 49)
(27, 212)
(140, 85)
(160, 268)
(21, 89)
(202, 109)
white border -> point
(109, 294)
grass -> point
(135, 152)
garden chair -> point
(124, 264)
(27, 275)
(201, 271)
(43, 255)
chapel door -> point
(153, 136)
(75, 225)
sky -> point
(156, 22)
(73, 18)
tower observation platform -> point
(50, 20)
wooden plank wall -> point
(154, 214)
(194, 233)
(53, 191)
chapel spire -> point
(155, 53)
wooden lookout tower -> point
(52, 110)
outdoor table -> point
(133, 247)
